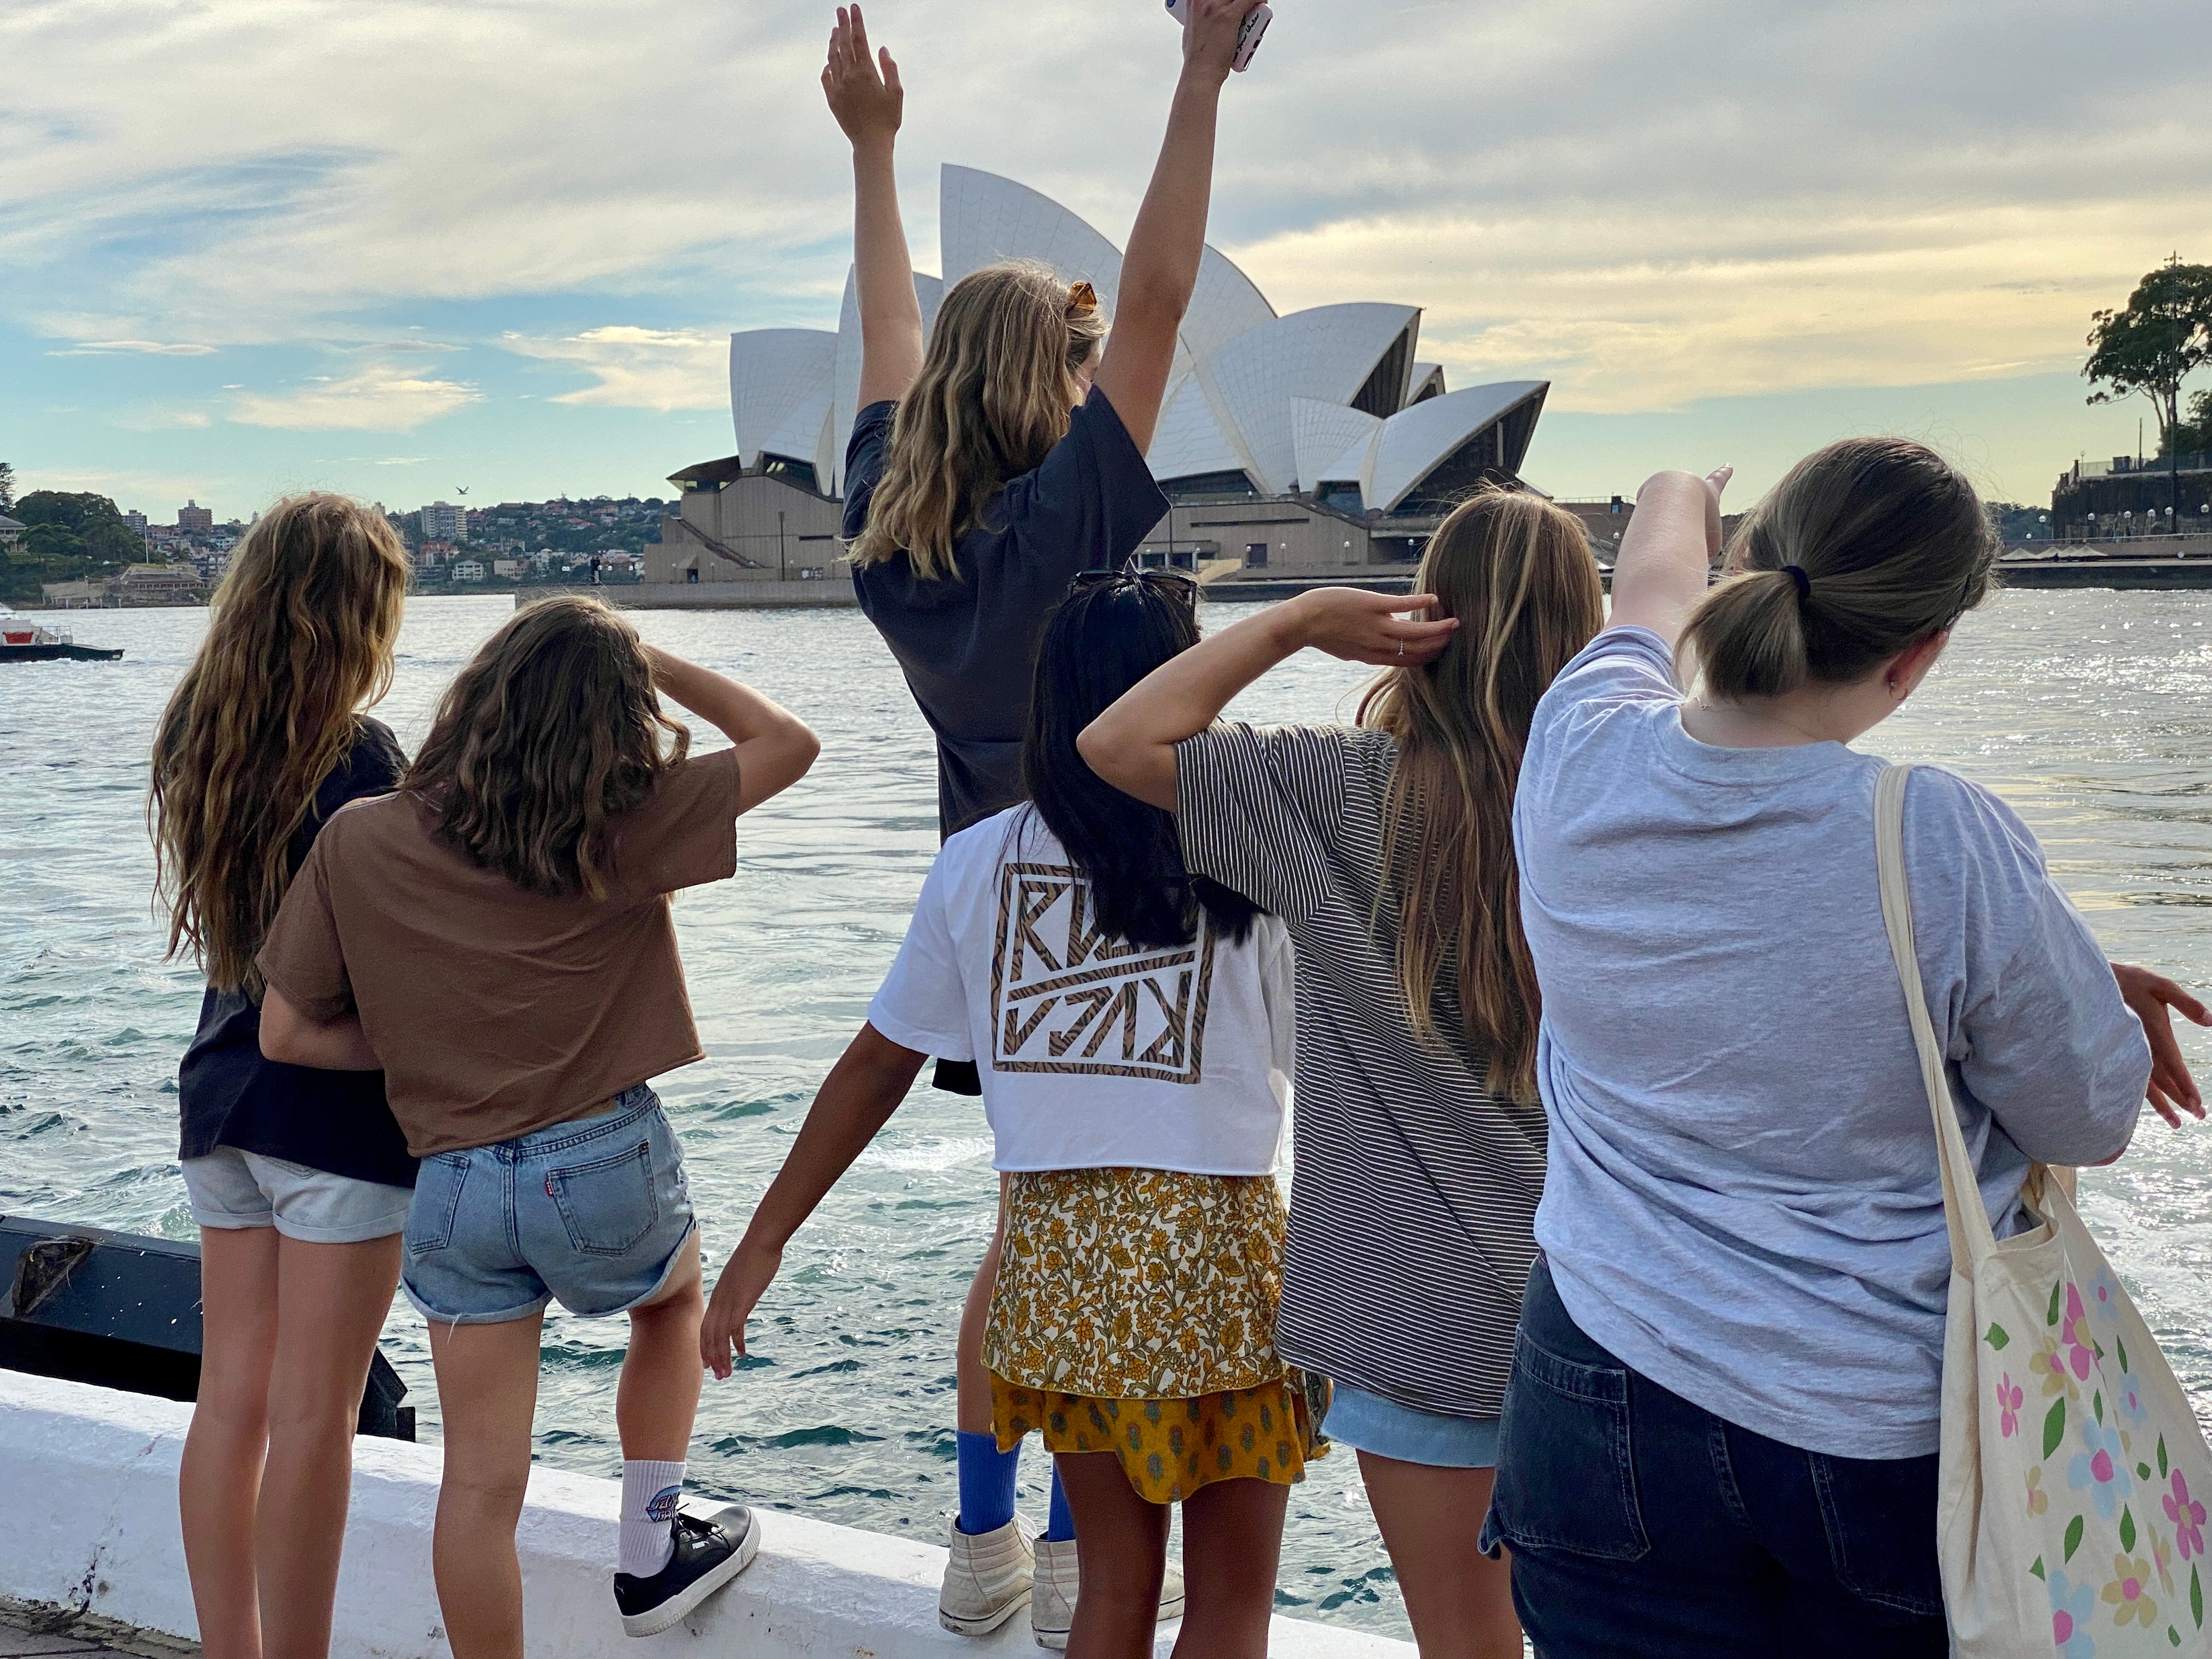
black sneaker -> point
(709, 1552)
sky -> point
(408, 247)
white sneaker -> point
(986, 1582)
(1051, 1607)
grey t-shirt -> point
(1412, 1206)
(1742, 1201)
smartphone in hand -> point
(1248, 42)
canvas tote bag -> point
(2074, 1479)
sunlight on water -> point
(2092, 713)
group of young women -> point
(1562, 917)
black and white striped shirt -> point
(1414, 1203)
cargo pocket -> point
(438, 1181)
(1566, 1480)
(609, 1205)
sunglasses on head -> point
(1082, 300)
(1175, 583)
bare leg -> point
(331, 1303)
(660, 1376)
(1460, 1600)
(488, 1393)
(219, 1482)
(974, 1413)
(1121, 1552)
(1232, 1543)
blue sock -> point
(987, 1483)
(1060, 1524)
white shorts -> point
(231, 1189)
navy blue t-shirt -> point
(335, 1121)
(968, 644)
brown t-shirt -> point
(497, 1011)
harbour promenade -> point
(91, 1558)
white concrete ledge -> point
(88, 1526)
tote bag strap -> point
(1972, 1239)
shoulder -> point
(1621, 664)
(874, 422)
(1951, 820)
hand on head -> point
(1210, 41)
(863, 86)
(1362, 627)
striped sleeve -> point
(1260, 809)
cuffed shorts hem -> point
(235, 1191)
(1383, 1428)
(504, 1316)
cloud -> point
(661, 370)
(158, 419)
(376, 400)
(149, 347)
(1648, 202)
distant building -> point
(193, 519)
(11, 532)
(434, 553)
(157, 584)
(468, 570)
(137, 521)
(2133, 498)
(444, 522)
(513, 569)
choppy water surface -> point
(2092, 713)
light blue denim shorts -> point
(593, 1213)
(1368, 1423)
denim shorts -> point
(232, 1190)
(1383, 1428)
(593, 1213)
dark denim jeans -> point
(1642, 1525)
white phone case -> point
(1256, 30)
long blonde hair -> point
(300, 636)
(995, 393)
(1517, 572)
(550, 734)
(1864, 548)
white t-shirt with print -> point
(1093, 1053)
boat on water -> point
(22, 640)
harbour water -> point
(2091, 712)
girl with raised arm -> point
(498, 935)
(1721, 1432)
(1385, 849)
(984, 471)
(1134, 1026)
(299, 1178)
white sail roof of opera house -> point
(1331, 399)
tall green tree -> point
(7, 488)
(2148, 348)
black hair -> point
(1105, 636)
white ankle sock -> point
(650, 1492)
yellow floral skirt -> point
(1136, 1312)
(1170, 1447)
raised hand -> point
(1209, 41)
(752, 1269)
(2174, 1092)
(1361, 627)
(862, 86)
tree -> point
(7, 488)
(2148, 349)
(67, 537)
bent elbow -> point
(1095, 745)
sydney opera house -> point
(1289, 446)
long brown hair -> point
(1517, 572)
(1893, 544)
(301, 635)
(995, 393)
(550, 733)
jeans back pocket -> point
(609, 1205)
(1566, 1478)
(437, 1182)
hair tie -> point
(1804, 582)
